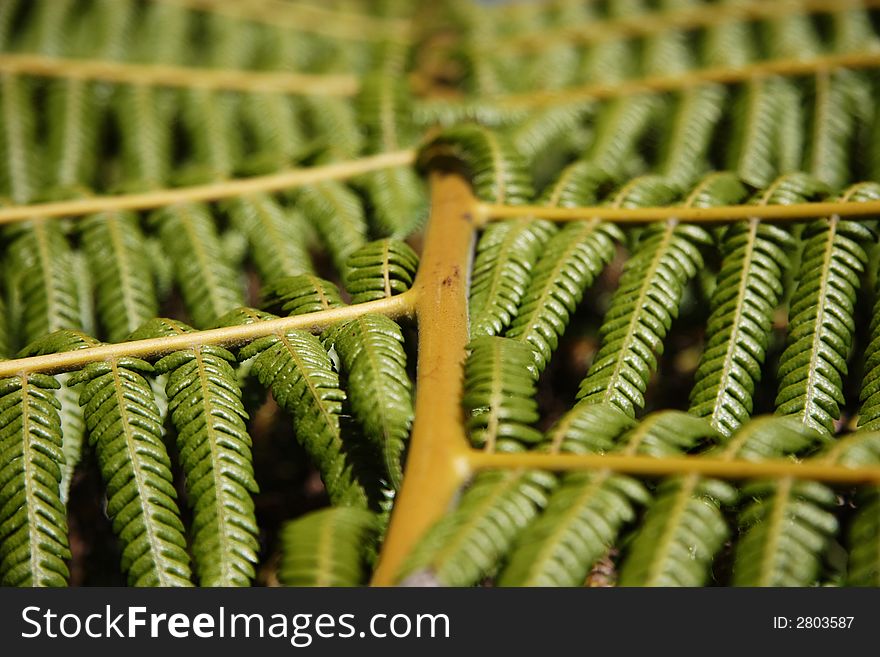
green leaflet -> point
(869, 412)
(74, 115)
(208, 116)
(685, 147)
(337, 214)
(397, 200)
(276, 236)
(298, 295)
(497, 172)
(841, 99)
(370, 348)
(765, 125)
(468, 543)
(506, 254)
(499, 395)
(333, 127)
(784, 533)
(620, 124)
(684, 528)
(642, 309)
(19, 175)
(144, 122)
(300, 374)
(121, 269)
(273, 131)
(33, 521)
(125, 430)
(40, 263)
(821, 324)
(209, 285)
(379, 270)
(205, 406)
(547, 127)
(327, 548)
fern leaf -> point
(74, 117)
(33, 520)
(208, 116)
(327, 548)
(641, 312)
(334, 127)
(784, 533)
(813, 365)
(144, 122)
(587, 510)
(300, 374)
(466, 544)
(120, 267)
(370, 348)
(748, 289)
(204, 404)
(397, 200)
(274, 131)
(42, 261)
(338, 216)
(276, 236)
(545, 128)
(758, 144)
(19, 175)
(497, 172)
(499, 395)
(619, 126)
(125, 429)
(506, 254)
(379, 270)
(210, 287)
(687, 142)
(839, 99)
(299, 295)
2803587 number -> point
(823, 622)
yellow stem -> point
(718, 214)
(229, 336)
(437, 462)
(657, 22)
(661, 83)
(211, 192)
(302, 17)
(723, 468)
(162, 75)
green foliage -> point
(338, 216)
(205, 406)
(642, 308)
(499, 394)
(380, 269)
(209, 285)
(327, 547)
(121, 270)
(33, 522)
(125, 430)
(298, 295)
(370, 348)
(300, 374)
(813, 365)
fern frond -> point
(121, 270)
(327, 548)
(300, 374)
(506, 254)
(749, 287)
(812, 367)
(205, 406)
(370, 348)
(546, 127)
(758, 146)
(685, 146)
(210, 287)
(41, 263)
(208, 117)
(641, 312)
(840, 97)
(19, 175)
(334, 127)
(468, 543)
(397, 200)
(499, 395)
(497, 172)
(298, 295)
(33, 519)
(143, 115)
(338, 215)
(587, 510)
(276, 236)
(619, 127)
(125, 429)
(784, 533)
(273, 131)
(74, 119)
(379, 270)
